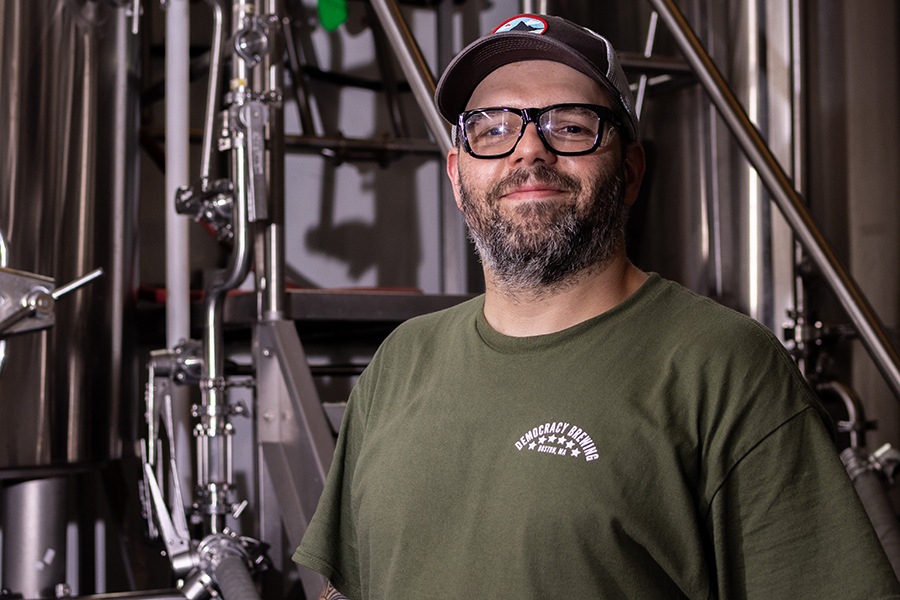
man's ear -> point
(453, 172)
(634, 171)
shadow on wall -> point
(358, 220)
(390, 242)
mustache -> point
(542, 174)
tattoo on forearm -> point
(329, 593)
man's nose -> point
(531, 147)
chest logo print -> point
(559, 439)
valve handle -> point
(77, 283)
(39, 301)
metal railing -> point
(870, 329)
(788, 200)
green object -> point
(332, 13)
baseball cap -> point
(534, 37)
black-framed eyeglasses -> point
(565, 129)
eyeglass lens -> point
(565, 129)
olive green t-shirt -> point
(667, 448)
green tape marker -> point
(332, 13)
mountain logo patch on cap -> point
(523, 23)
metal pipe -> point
(856, 423)
(4, 262)
(790, 203)
(648, 52)
(273, 287)
(655, 65)
(34, 536)
(414, 68)
(212, 92)
(799, 152)
(333, 146)
(214, 415)
(875, 500)
(530, 6)
(336, 146)
(177, 174)
(213, 446)
(177, 165)
(239, 263)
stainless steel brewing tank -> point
(67, 181)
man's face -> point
(537, 219)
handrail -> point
(414, 67)
(790, 203)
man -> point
(583, 429)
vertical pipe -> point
(214, 429)
(798, 82)
(177, 166)
(273, 84)
(177, 102)
(755, 269)
(4, 262)
(648, 52)
(532, 6)
(34, 536)
(212, 94)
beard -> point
(540, 247)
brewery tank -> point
(68, 73)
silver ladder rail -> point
(794, 210)
(414, 67)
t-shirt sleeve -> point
(329, 545)
(787, 523)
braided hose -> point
(876, 502)
(234, 579)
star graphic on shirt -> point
(569, 444)
(562, 440)
(542, 439)
(552, 438)
(531, 446)
(576, 452)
